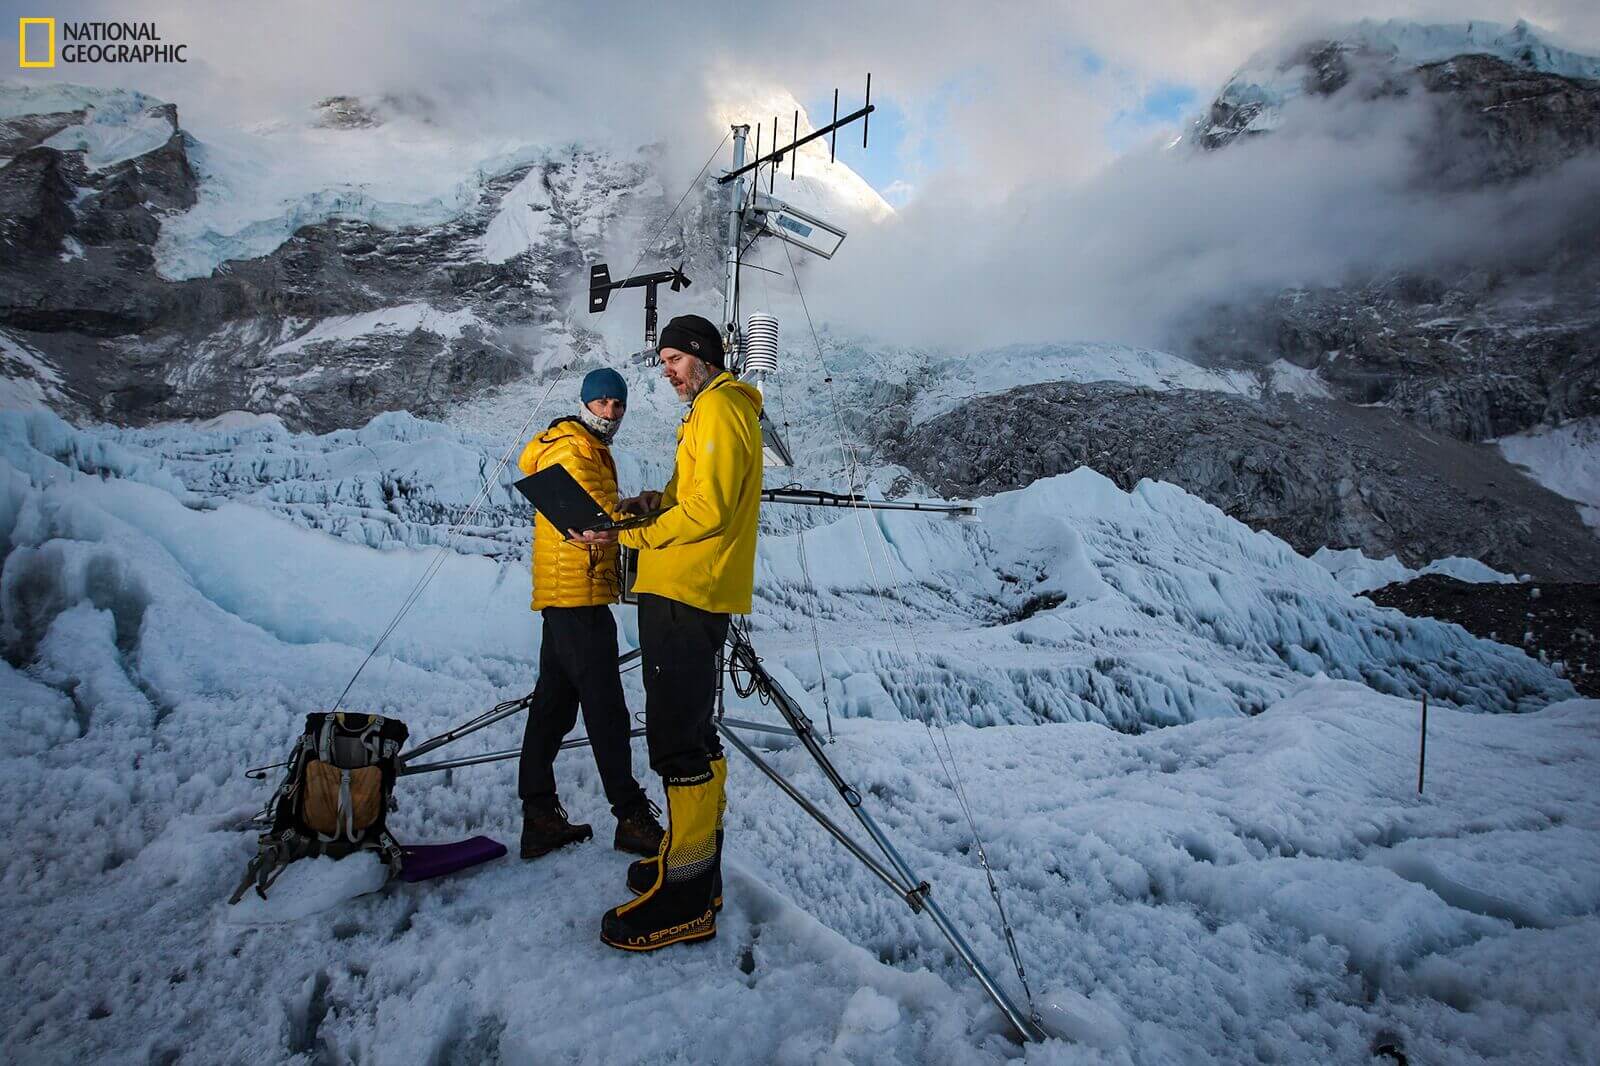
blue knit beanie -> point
(604, 384)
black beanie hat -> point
(695, 335)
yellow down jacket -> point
(702, 550)
(567, 574)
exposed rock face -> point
(1495, 119)
(1557, 623)
(1313, 472)
(1476, 358)
(1472, 352)
(341, 322)
(1499, 122)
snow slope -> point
(259, 184)
(943, 384)
(1238, 888)
(1357, 573)
(1564, 459)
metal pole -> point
(819, 498)
(484, 721)
(744, 653)
(1422, 751)
(810, 808)
(492, 756)
(735, 219)
(758, 727)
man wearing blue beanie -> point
(574, 586)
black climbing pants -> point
(578, 666)
(680, 645)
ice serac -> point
(1072, 600)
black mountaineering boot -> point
(642, 872)
(637, 828)
(545, 828)
(676, 908)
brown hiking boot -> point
(638, 831)
(545, 828)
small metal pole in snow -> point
(1422, 751)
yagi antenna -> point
(776, 154)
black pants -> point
(680, 646)
(578, 665)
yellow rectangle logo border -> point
(22, 43)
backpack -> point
(335, 798)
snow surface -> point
(1247, 886)
(1286, 378)
(120, 127)
(944, 384)
(1357, 573)
(28, 378)
(397, 321)
(1564, 459)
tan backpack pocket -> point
(330, 809)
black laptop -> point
(556, 494)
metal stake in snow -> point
(1422, 750)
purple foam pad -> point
(420, 862)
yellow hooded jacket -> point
(702, 550)
(567, 574)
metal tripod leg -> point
(483, 721)
(743, 656)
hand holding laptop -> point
(567, 506)
(644, 503)
(647, 502)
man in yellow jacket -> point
(696, 567)
(573, 588)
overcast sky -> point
(1020, 139)
(1000, 93)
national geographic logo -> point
(92, 42)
